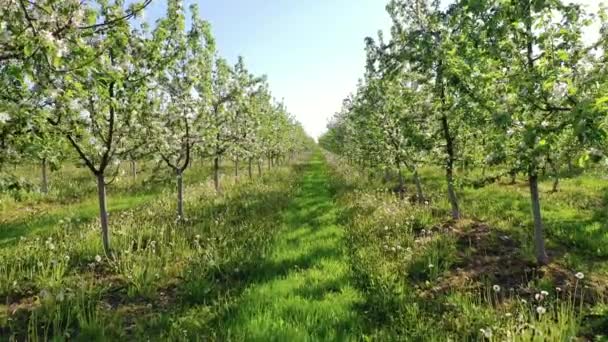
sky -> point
(311, 50)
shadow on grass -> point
(298, 291)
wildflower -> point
(60, 296)
(524, 301)
(544, 293)
(541, 310)
(197, 236)
(558, 289)
(67, 258)
(496, 288)
(579, 275)
(487, 333)
(431, 265)
(51, 246)
(98, 258)
(15, 283)
(539, 297)
(508, 314)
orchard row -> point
(518, 85)
(95, 81)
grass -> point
(426, 277)
(303, 291)
(57, 286)
(314, 251)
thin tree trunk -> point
(555, 170)
(513, 177)
(419, 192)
(269, 162)
(134, 170)
(250, 169)
(45, 180)
(539, 239)
(180, 195)
(259, 168)
(236, 168)
(216, 173)
(103, 213)
(401, 183)
(555, 184)
(449, 168)
(449, 146)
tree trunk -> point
(134, 170)
(401, 183)
(419, 192)
(570, 166)
(269, 162)
(539, 240)
(45, 180)
(103, 213)
(555, 170)
(449, 168)
(180, 195)
(236, 168)
(259, 168)
(555, 183)
(216, 173)
(250, 169)
(513, 177)
(449, 144)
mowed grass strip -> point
(304, 291)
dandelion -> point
(508, 315)
(544, 293)
(541, 310)
(98, 258)
(496, 288)
(4, 117)
(538, 297)
(487, 333)
(67, 258)
(431, 265)
(558, 289)
(579, 275)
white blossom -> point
(4, 117)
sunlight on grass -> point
(308, 295)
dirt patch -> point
(489, 257)
(486, 256)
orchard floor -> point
(304, 292)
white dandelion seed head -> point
(579, 275)
(541, 310)
(487, 333)
(496, 288)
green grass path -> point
(304, 291)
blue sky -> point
(311, 50)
